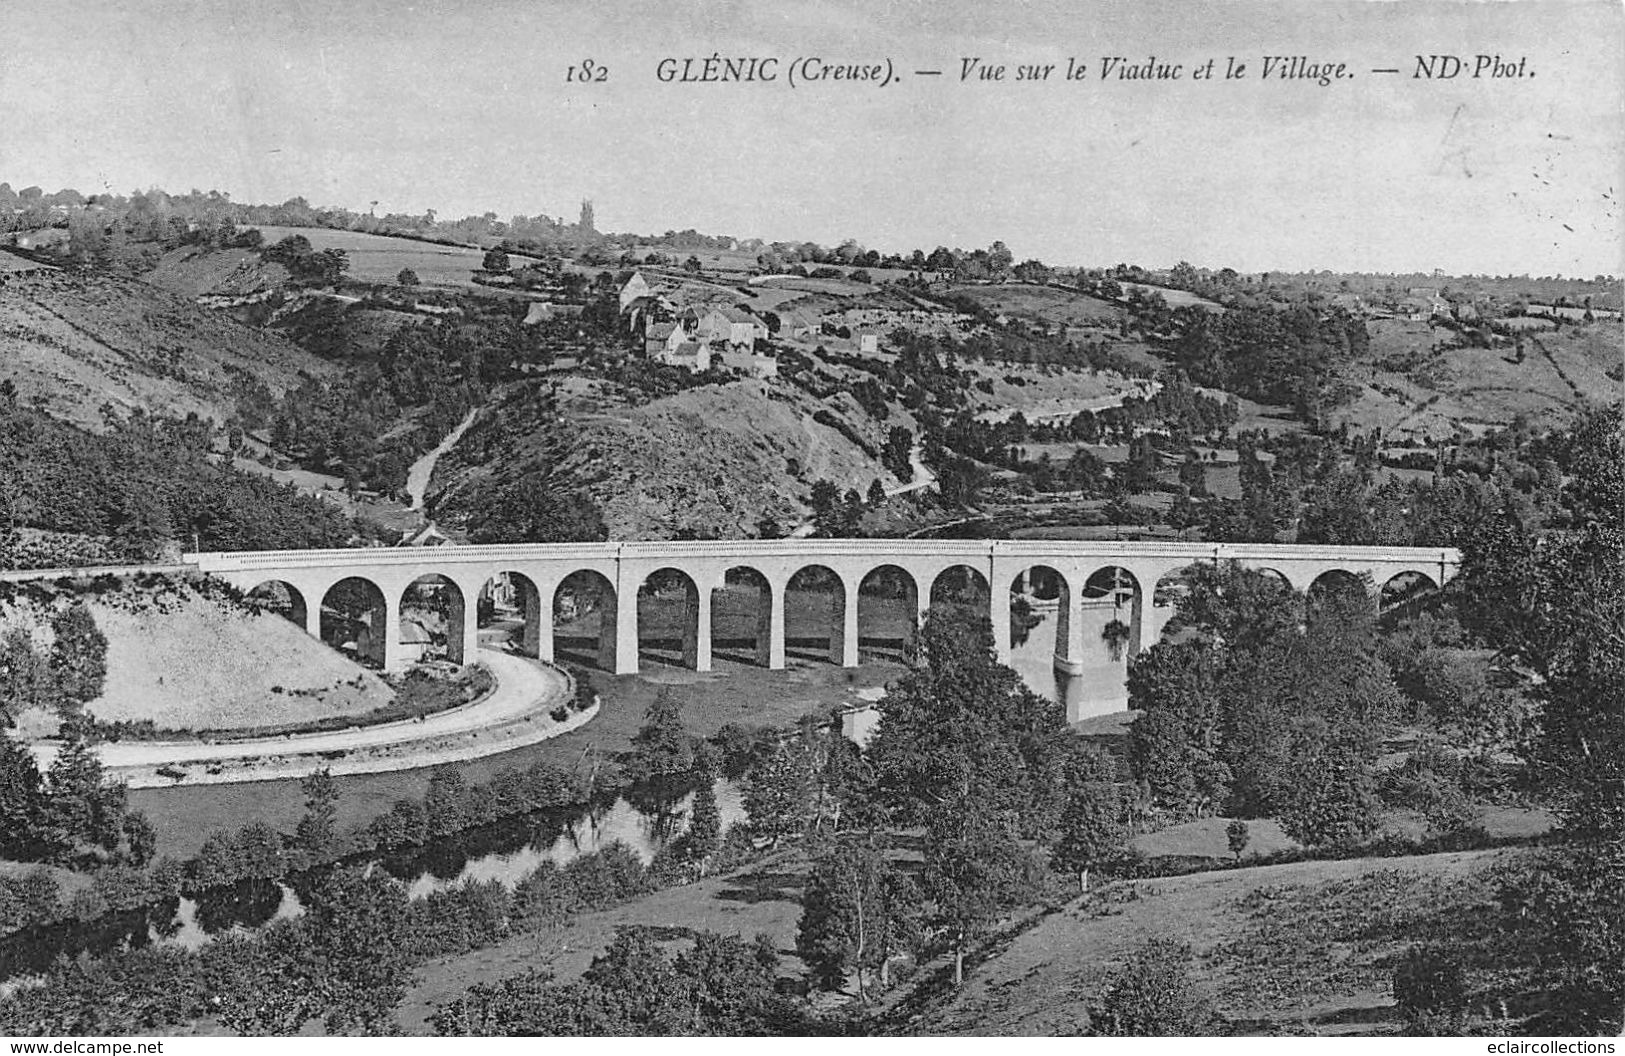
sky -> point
(464, 107)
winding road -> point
(523, 688)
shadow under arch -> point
(1403, 589)
(282, 598)
(815, 615)
(355, 618)
(1038, 594)
(961, 587)
(432, 613)
(742, 617)
(581, 617)
(1111, 607)
(888, 610)
(668, 620)
(511, 602)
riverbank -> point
(184, 815)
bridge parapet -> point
(809, 550)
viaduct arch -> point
(1088, 584)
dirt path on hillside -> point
(417, 478)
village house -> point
(660, 339)
(635, 287)
(692, 356)
(755, 364)
(729, 327)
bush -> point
(614, 874)
(1430, 988)
(462, 918)
(32, 898)
(1151, 996)
(544, 898)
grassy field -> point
(1290, 944)
(380, 258)
(1407, 389)
(828, 287)
(1066, 392)
(764, 898)
(1300, 948)
(1043, 303)
(1175, 298)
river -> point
(506, 852)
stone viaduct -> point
(1090, 586)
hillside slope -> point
(1409, 388)
(1299, 948)
(77, 342)
(186, 661)
(195, 271)
(712, 460)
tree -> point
(265, 984)
(317, 832)
(358, 927)
(723, 986)
(78, 661)
(662, 748)
(24, 676)
(1237, 834)
(704, 834)
(495, 261)
(1193, 474)
(960, 727)
(408, 277)
(776, 794)
(975, 871)
(828, 514)
(877, 494)
(81, 811)
(23, 804)
(1329, 796)
(895, 456)
(1554, 602)
(1174, 746)
(858, 911)
(445, 801)
(1094, 829)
